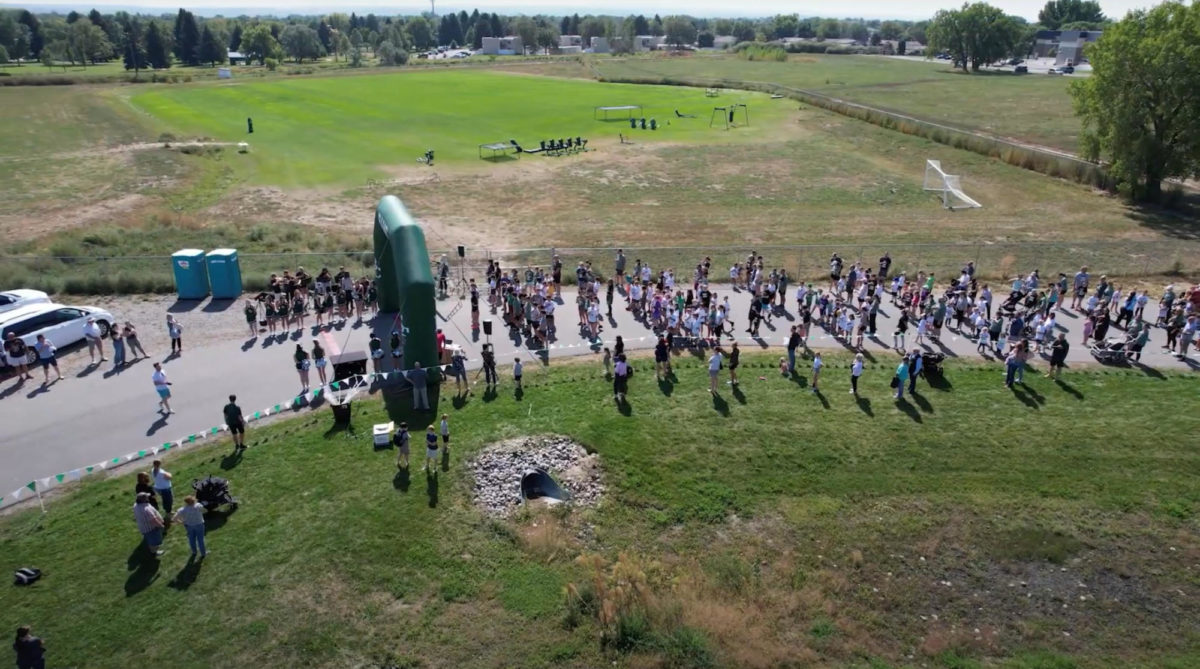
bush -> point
(763, 52)
(271, 63)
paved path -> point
(97, 415)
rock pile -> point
(498, 469)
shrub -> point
(271, 63)
(762, 52)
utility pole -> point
(432, 8)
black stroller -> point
(212, 492)
(931, 364)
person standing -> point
(618, 270)
(1058, 356)
(856, 371)
(714, 369)
(235, 423)
(319, 361)
(18, 356)
(735, 359)
(175, 332)
(1011, 364)
(518, 370)
(915, 365)
(431, 450)
(419, 379)
(46, 356)
(162, 387)
(662, 358)
(444, 429)
(31, 651)
(458, 367)
(191, 514)
(149, 523)
(95, 342)
(620, 378)
(251, 313)
(792, 345)
(401, 439)
(300, 357)
(817, 364)
(145, 484)
(118, 345)
(162, 485)
(900, 378)
(490, 376)
(131, 340)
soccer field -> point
(342, 130)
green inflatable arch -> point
(405, 281)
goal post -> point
(949, 185)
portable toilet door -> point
(191, 275)
(224, 274)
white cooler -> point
(382, 434)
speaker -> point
(487, 326)
(462, 251)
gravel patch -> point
(498, 469)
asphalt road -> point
(98, 414)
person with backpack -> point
(31, 651)
(401, 439)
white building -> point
(600, 45)
(724, 41)
(647, 42)
(503, 46)
(565, 41)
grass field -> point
(345, 130)
(1033, 108)
(1049, 526)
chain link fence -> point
(994, 262)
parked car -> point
(1053, 71)
(13, 299)
(1069, 69)
(1021, 69)
(1015, 61)
(62, 325)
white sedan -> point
(11, 299)
(62, 325)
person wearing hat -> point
(394, 345)
(92, 334)
(149, 523)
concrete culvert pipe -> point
(537, 484)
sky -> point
(909, 9)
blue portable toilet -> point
(225, 274)
(191, 275)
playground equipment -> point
(728, 115)
(406, 284)
(602, 113)
(949, 185)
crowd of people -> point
(327, 297)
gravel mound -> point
(498, 469)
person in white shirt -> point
(856, 371)
(191, 514)
(714, 370)
(95, 342)
(162, 485)
(817, 364)
(162, 387)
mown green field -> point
(347, 129)
(1053, 525)
(1033, 108)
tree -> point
(829, 29)
(356, 56)
(450, 31)
(301, 42)
(1056, 13)
(1141, 106)
(783, 25)
(705, 40)
(212, 48)
(420, 33)
(526, 29)
(857, 31)
(21, 44)
(134, 51)
(343, 43)
(235, 37)
(565, 25)
(187, 38)
(901, 47)
(547, 38)
(680, 30)
(592, 27)
(325, 34)
(36, 39)
(158, 56)
(723, 27)
(641, 26)
(975, 35)
(916, 32)
(87, 43)
(891, 30)
(390, 54)
(258, 44)
(743, 31)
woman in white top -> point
(714, 370)
(192, 516)
(856, 371)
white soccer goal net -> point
(949, 185)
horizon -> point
(866, 9)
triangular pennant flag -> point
(317, 392)
(115, 461)
(335, 385)
(296, 401)
(276, 409)
(141, 454)
(45, 483)
(60, 477)
(131, 456)
(91, 469)
(257, 414)
(32, 485)
(216, 430)
(166, 445)
(16, 494)
(191, 437)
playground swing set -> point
(727, 116)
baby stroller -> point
(212, 492)
(1111, 351)
(931, 364)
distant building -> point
(565, 41)
(600, 45)
(724, 41)
(647, 42)
(503, 46)
(911, 47)
(236, 58)
(1065, 46)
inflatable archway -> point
(405, 280)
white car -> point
(62, 325)
(12, 299)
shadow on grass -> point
(144, 567)
(398, 404)
(216, 519)
(188, 575)
(821, 396)
(939, 382)
(666, 386)
(921, 402)
(720, 405)
(864, 405)
(1069, 389)
(431, 487)
(445, 459)
(232, 460)
(909, 410)
(402, 480)
(739, 395)
(1019, 391)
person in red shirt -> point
(441, 343)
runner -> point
(161, 386)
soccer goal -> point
(949, 185)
